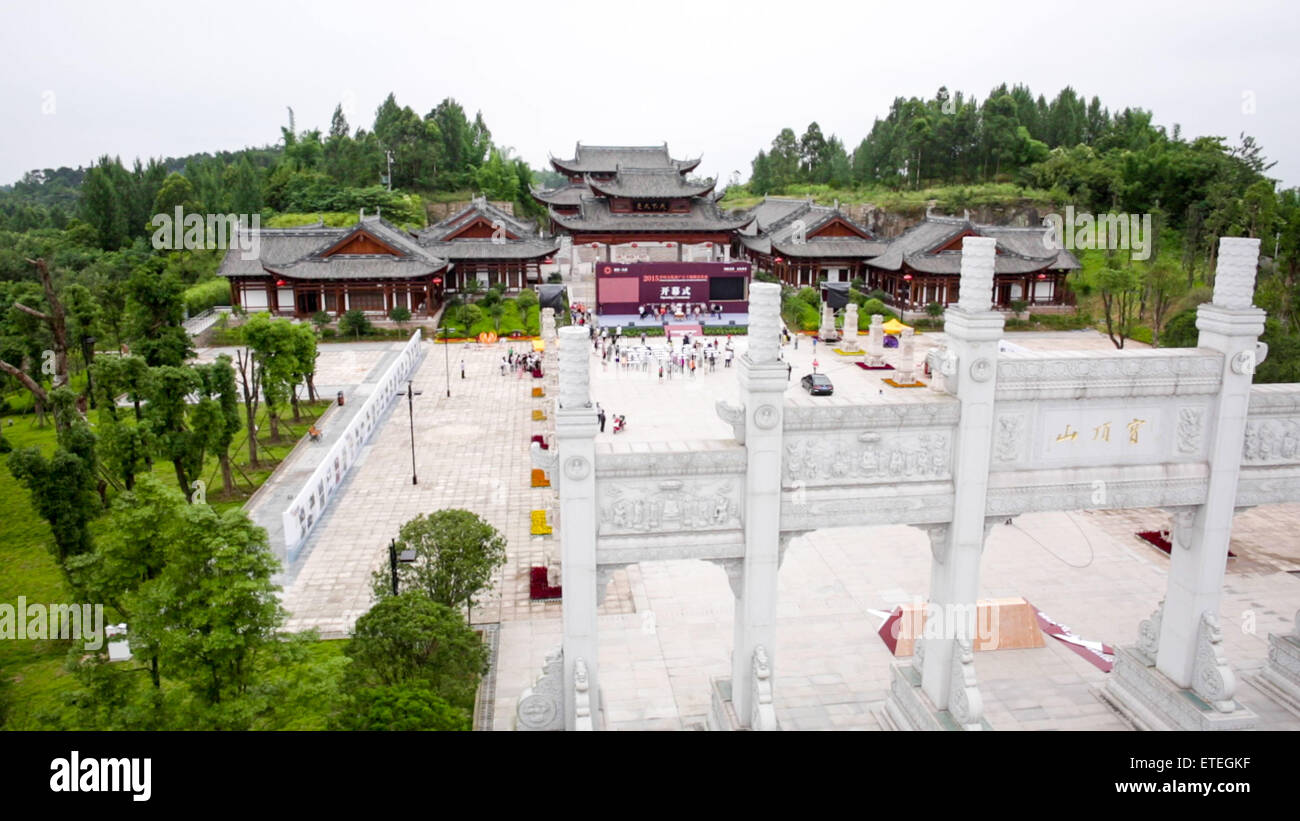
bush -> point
(401, 707)
(205, 295)
(875, 306)
(555, 279)
(724, 330)
(356, 324)
(810, 296)
(1018, 305)
(879, 295)
(320, 319)
(526, 298)
(934, 309)
(400, 314)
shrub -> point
(208, 294)
(355, 323)
(1018, 305)
(320, 319)
(810, 296)
(526, 298)
(934, 309)
(875, 306)
(555, 279)
(400, 314)
(879, 295)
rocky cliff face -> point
(889, 224)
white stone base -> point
(722, 713)
(1148, 700)
(1280, 678)
(909, 708)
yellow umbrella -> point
(893, 326)
(539, 345)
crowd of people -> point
(664, 310)
(518, 364)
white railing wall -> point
(313, 499)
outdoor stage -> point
(728, 319)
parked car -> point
(817, 384)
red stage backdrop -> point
(623, 287)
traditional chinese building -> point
(636, 204)
(486, 244)
(372, 266)
(806, 244)
(923, 265)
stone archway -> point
(1010, 433)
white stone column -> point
(850, 342)
(876, 340)
(762, 379)
(906, 357)
(827, 330)
(575, 434)
(973, 330)
(1231, 324)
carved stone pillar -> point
(906, 357)
(850, 341)
(876, 340)
(947, 669)
(827, 331)
(762, 385)
(575, 435)
(1280, 677)
(1188, 652)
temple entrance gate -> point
(1007, 433)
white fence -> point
(311, 502)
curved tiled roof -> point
(1020, 250)
(660, 183)
(704, 215)
(569, 194)
(300, 252)
(605, 159)
(478, 207)
(483, 249)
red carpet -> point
(1103, 659)
(1157, 538)
(537, 587)
(864, 366)
(678, 330)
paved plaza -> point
(666, 627)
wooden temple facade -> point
(489, 246)
(372, 266)
(923, 265)
(636, 203)
(805, 244)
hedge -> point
(207, 294)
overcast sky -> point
(711, 78)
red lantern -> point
(1042, 276)
(280, 282)
(668, 245)
(634, 245)
(907, 277)
(708, 245)
(779, 260)
(437, 280)
(595, 245)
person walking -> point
(600, 415)
(796, 342)
(661, 374)
(462, 369)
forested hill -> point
(442, 151)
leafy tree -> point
(63, 485)
(410, 640)
(275, 348)
(1164, 286)
(400, 314)
(456, 554)
(497, 180)
(401, 707)
(212, 609)
(355, 323)
(216, 417)
(320, 319)
(1120, 290)
(165, 416)
(155, 312)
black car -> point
(817, 384)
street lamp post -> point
(410, 404)
(406, 557)
(446, 358)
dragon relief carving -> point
(926, 456)
(670, 505)
(1272, 440)
(1011, 432)
(1190, 422)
